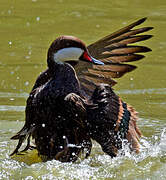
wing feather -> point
(114, 50)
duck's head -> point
(69, 49)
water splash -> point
(148, 164)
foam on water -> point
(98, 165)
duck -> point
(72, 102)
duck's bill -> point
(95, 61)
(87, 57)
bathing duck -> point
(73, 102)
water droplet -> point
(9, 11)
(12, 54)
(36, 66)
(26, 83)
(156, 137)
(43, 125)
(28, 23)
(124, 23)
(13, 86)
(38, 18)
(29, 178)
(97, 25)
(73, 154)
(27, 57)
(30, 52)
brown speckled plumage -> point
(55, 117)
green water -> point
(27, 27)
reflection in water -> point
(27, 28)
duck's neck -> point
(64, 73)
(55, 68)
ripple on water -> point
(13, 95)
(9, 101)
(147, 164)
(144, 91)
(11, 108)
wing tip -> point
(140, 21)
(15, 137)
(131, 68)
(146, 49)
(150, 28)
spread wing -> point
(113, 50)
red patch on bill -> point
(87, 57)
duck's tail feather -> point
(21, 140)
(22, 132)
(22, 135)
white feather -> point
(67, 54)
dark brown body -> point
(55, 116)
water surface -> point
(26, 30)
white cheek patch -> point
(67, 54)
